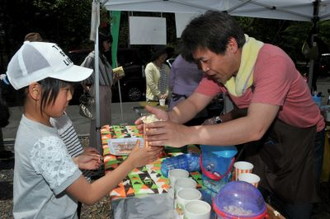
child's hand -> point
(88, 161)
(90, 150)
(163, 96)
(142, 156)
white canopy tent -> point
(296, 10)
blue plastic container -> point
(317, 100)
(217, 161)
(189, 162)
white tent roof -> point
(299, 10)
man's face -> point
(219, 68)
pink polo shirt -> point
(276, 81)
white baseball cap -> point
(35, 61)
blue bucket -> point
(217, 161)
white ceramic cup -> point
(242, 167)
(175, 174)
(251, 178)
(197, 209)
(162, 102)
(184, 196)
(183, 183)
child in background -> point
(47, 181)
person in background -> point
(184, 79)
(106, 80)
(283, 129)
(47, 181)
(108, 51)
(157, 75)
(33, 37)
(4, 111)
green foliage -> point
(324, 27)
(67, 22)
(71, 19)
(289, 35)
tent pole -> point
(315, 21)
(96, 83)
(121, 103)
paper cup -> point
(146, 143)
(242, 167)
(197, 209)
(252, 178)
(162, 102)
(175, 174)
(184, 196)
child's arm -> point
(91, 193)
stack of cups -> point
(197, 209)
(184, 192)
(184, 196)
(251, 178)
(175, 174)
(243, 172)
(187, 198)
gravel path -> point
(99, 210)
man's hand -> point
(163, 96)
(159, 113)
(167, 133)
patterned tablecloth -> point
(141, 181)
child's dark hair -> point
(50, 90)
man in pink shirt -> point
(283, 128)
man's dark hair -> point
(212, 31)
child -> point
(47, 181)
(64, 125)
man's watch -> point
(218, 120)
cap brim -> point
(73, 74)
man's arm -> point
(245, 129)
(233, 114)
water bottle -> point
(189, 162)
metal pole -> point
(97, 79)
(313, 44)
